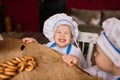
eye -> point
(58, 32)
(67, 33)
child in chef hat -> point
(62, 31)
(107, 55)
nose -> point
(62, 34)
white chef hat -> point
(109, 40)
(54, 21)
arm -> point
(76, 55)
(70, 60)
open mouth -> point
(62, 40)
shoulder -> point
(75, 49)
(49, 44)
(95, 71)
(92, 70)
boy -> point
(62, 31)
(107, 55)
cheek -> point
(56, 36)
(98, 62)
(69, 37)
(97, 58)
(101, 62)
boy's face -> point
(63, 36)
(102, 61)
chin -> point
(62, 45)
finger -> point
(75, 61)
(70, 65)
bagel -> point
(1, 71)
(29, 58)
(23, 59)
(10, 63)
(4, 65)
(9, 69)
(21, 66)
(11, 73)
(30, 66)
(14, 61)
(12, 67)
(4, 76)
(18, 59)
(1, 68)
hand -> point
(70, 60)
(29, 40)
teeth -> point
(62, 40)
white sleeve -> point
(77, 52)
(83, 61)
(95, 71)
(92, 70)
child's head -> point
(60, 23)
(63, 35)
(108, 45)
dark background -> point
(49, 8)
(32, 13)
